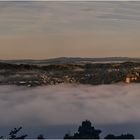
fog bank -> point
(67, 105)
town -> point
(89, 73)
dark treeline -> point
(85, 131)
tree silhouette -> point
(85, 131)
(123, 136)
(40, 137)
(13, 134)
(1, 137)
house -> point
(130, 78)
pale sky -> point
(41, 30)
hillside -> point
(78, 73)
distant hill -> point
(71, 60)
(93, 71)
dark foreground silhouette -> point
(85, 131)
(126, 136)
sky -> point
(41, 30)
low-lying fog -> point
(55, 110)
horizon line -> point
(26, 59)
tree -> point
(40, 137)
(13, 134)
(85, 131)
(123, 136)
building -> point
(130, 78)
